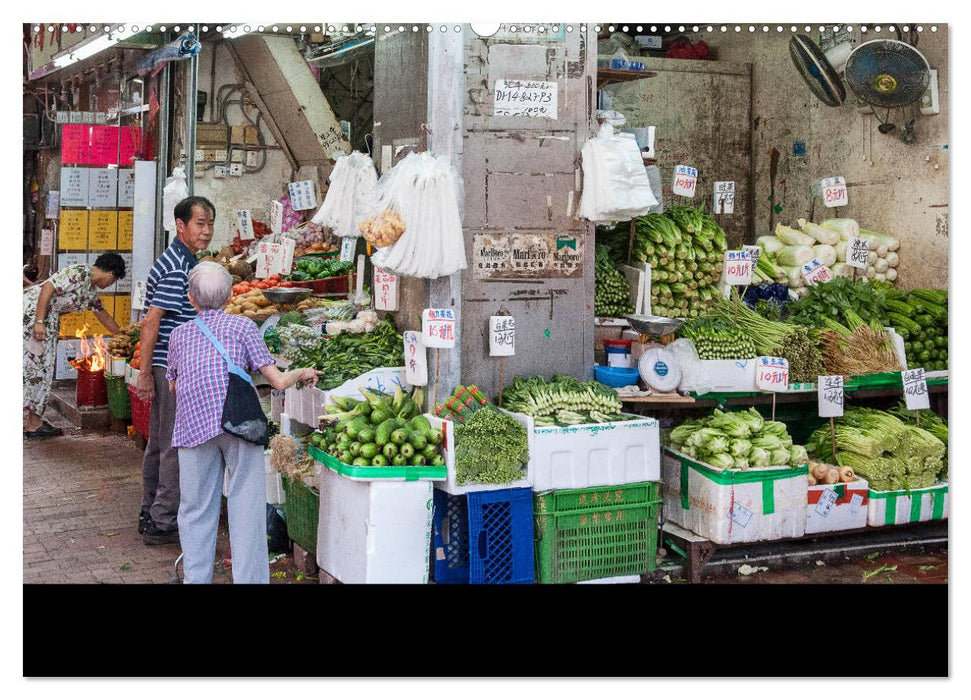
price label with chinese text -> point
(827, 499)
(834, 192)
(274, 258)
(47, 241)
(276, 217)
(244, 225)
(502, 336)
(438, 328)
(915, 389)
(857, 252)
(830, 391)
(738, 267)
(302, 195)
(416, 362)
(685, 180)
(756, 252)
(138, 292)
(814, 272)
(725, 197)
(348, 246)
(385, 290)
(741, 515)
(772, 374)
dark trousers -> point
(160, 468)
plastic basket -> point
(501, 536)
(586, 534)
(118, 402)
(140, 412)
(450, 534)
(340, 284)
(302, 510)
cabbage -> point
(716, 445)
(740, 448)
(795, 255)
(826, 254)
(732, 424)
(792, 237)
(770, 442)
(798, 456)
(741, 463)
(770, 244)
(840, 251)
(821, 234)
(722, 461)
(759, 458)
(779, 457)
(774, 427)
(844, 227)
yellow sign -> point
(103, 230)
(126, 226)
(122, 309)
(70, 323)
(73, 234)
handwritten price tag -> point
(857, 252)
(685, 180)
(831, 396)
(385, 290)
(244, 224)
(756, 252)
(139, 290)
(274, 258)
(302, 195)
(416, 362)
(348, 245)
(525, 98)
(772, 374)
(834, 192)
(276, 217)
(438, 328)
(827, 499)
(725, 197)
(502, 336)
(915, 389)
(738, 267)
(815, 272)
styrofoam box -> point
(307, 404)
(593, 454)
(615, 579)
(844, 507)
(730, 375)
(725, 511)
(374, 531)
(274, 482)
(131, 375)
(450, 485)
(914, 506)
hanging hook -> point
(368, 144)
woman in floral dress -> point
(75, 288)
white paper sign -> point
(915, 389)
(830, 396)
(138, 295)
(126, 187)
(738, 267)
(74, 187)
(103, 187)
(244, 225)
(814, 272)
(438, 328)
(855, 502)
(416, 361)
(53, 210)
(827, 499)
(68, 259)
(502, 336)
(124, 284)
(274, 258)
(276, 217)
(741, 515)
(772, 374)
(685, 180)
(47, 241)
(834, 192)
(348, 246)
(302, 195)
(385, 290)
(725, 197)
(525, 98)
(857, 252)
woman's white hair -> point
(211, 285)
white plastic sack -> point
(175, 191)
(694, 376)
(615, 183)
(351, 197)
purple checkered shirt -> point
(200, 374)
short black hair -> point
(111, 262)
(183, 210)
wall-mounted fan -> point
(882, 73)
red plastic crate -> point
(140, 412)
(331, 285)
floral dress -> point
(73, 291)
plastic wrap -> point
(615, 182)
(351, 197)
(694, 376)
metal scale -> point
(659, 368)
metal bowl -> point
(656, 325)
(287, 295)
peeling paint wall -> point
(893, 188)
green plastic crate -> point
(600, 532)
(302, 510)
(119, 404)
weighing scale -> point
(659, 368)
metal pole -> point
(165, 103)
(190, 126)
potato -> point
(263, 301)
(249, 313)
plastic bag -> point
(615, 183)
(277, 538)
(175, 191)
(351, 197)
(694, 376)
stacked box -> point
(451, 485)
(832, 507)
(913, 506)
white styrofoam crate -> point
(832, 507)
(730, 375)
(593, 454)
(615, 579)
(374, 531)
(450, 485)
(728, 506)
(914, 506)
(116, 367)
(274, 482)
(307, 404)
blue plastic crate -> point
(450, 539)
(501, 536)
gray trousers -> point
(201, 477)
(160, 467)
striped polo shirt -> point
(168, 289)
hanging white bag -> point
(176, 189)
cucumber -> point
(421, 423)
(407, 450)
(418, 461)
(370, 450)
(399, 436)
(417, 440)
(899, 307)
(346, 457)
(379, 416)
(383, 434)
(429, 451)
(434, 437)
(379, 461)
(399, 460)
(365, 436)
(355, 448)
(438, 461)
(361, 462)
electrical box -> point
(237, 135)
(238, 156)
(219, 171)
(252, 159)
(251, 136)
(236, 169)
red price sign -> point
(274, 258)
(685, 180)
(416, 362)
(385, 290)
(738, 267)
(816, 273)
(834, 192)
(438, 328)
(772, 374)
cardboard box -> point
(730, 505)
(832, 507)
(604, 329)
(450, 485)
(914, 506)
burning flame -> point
(88, 360)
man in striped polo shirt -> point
(168, 306)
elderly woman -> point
(198, 375)
(75, 288)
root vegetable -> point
(881, 265)
(893, 259)
(819, 470)
(832, 477)
(871, 272)
(882, 250)
(847, 475)
(872, 257)
(812, 481)
(880, 277)
(891, 274)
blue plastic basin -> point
(616, 376)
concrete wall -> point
(893, 188)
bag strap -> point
(230, 365)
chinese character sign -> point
(834, 192)
(502, 336)
(814, 272)
(385, 290)
(276, 217)
(915, 389)
(772, 374)
(274, 258)
(302, 195)
(857, 252)
(685, 180)
(416, 362)
(348, 246)
(830, 390)
(756, 252)
(244, 224)
(738, 267)
(438, 328)
(725, 197)
(525, 98)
